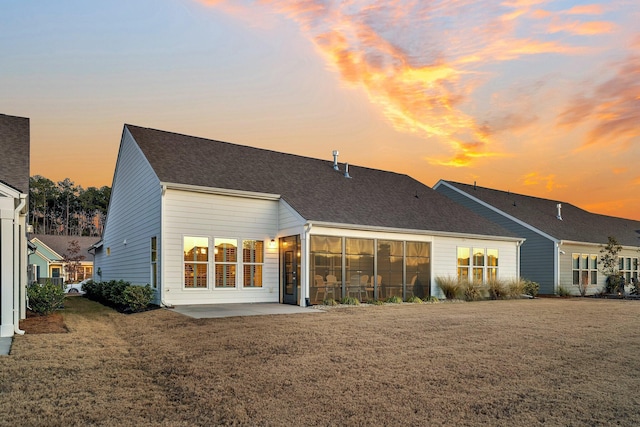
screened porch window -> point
(325, 268)
(390, 268)
(418, 269)
(359, 266)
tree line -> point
(64, 208)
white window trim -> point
(207, 263)
(485, 266)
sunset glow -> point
(532, 96)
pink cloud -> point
(610, 109)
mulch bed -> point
(37, 324)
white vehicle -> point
(75, 288)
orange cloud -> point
(535, 179)
(418, 70)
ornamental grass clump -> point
(350, 301)
(497, 289)
(394, 300)
(329, 301)
(472, 291)
(515, 288)
(414, 300)
(450, 286)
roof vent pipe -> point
(346, 170)
(335, 160)
(559, 215)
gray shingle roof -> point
(576, 225)
(60, 244)
(14, 146)
(311, 186)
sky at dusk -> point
(531, 96)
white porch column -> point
(6, 266)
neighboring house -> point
(205, 221)
(563, 242)
(14, 190)
(48, 259)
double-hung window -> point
(584, 269)
(477, 264)
(628, 267)
(196, 262)
(252, 262)
(226, 261)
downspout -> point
(16, 266)
(305, 272)
(519, 258)
(160, 244)
(556, 265)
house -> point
(14, 190)
(61, 259)
(563, 242)
(205, 221)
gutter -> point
(16, 266)
(414, 231)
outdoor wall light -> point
(272, 244)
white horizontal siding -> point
(133, 217)
(209, 215)
(289, 221)
(445, 257)
(566, 266)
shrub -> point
(93, 290)
(394, 300)
(350, 301)
(563, 292)
(531, 288)
(137, 298)
(45, 299)
(113, 292)
(414, 299)
(497, 289)
(431, 299)
(450, 286)
(84, 285)
(329, 301)
(375, 302)
(471, 291)
(614, 283)
(515, 288)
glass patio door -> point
(290, 269)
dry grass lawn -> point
(555, 362)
